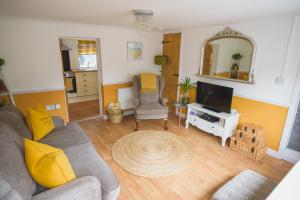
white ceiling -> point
(168, 14)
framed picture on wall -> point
(134, 50)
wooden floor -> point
(212, 165)
(83, 110)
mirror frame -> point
(229, 33)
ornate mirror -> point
(229, 55)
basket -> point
(115, 118)
(114, 108)
(115, 113)
(233, 144)
(249, 141)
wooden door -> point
(170, 71)
(207, 60)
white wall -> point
(271, 38)
(33, 61)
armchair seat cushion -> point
(152, 109)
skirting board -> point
(291, 156)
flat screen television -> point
(214, 97)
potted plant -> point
(234, 70)
(186, 84)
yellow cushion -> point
(148, 83)
(47, 165)
(39, 121)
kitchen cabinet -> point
(87, 83)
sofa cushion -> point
(12, 167)
(66, 136)
(6, 191)
(86, 162)
(39, 122)
(8, 131)
(49, 166)
(12, 116)
(152, 109)
(248, 185)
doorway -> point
(82, 77)
(170, 71)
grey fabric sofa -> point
(150, 105)
(95, 179)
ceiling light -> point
(143, 19)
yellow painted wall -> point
(109, 92)
(23, 101)
(271, 117)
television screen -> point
(214, 97)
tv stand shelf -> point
(223, 125)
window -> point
(87, 61)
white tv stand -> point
(224, 127)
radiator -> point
(126, 97)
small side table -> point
(180, 106)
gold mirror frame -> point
(229, 33)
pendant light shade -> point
(143, 19)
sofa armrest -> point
(163, 101)
(87, 187)
(136, 103)
(58, 121)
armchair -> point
(150, 105)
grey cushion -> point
(10, 135)
(58, 121)
(6, 191)
(248, 185)
(12, 116)
(82, 188)
(12, 166)
(152, 109)
(86, 162)
(66, 136)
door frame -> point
(99, 71)
(286, 153)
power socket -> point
(53, 107)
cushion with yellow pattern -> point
(39, 121)
(47, 165)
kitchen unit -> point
(81, 85)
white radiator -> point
(126, 97)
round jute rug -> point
(152, 153)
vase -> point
(185, 99)
(234, 71)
